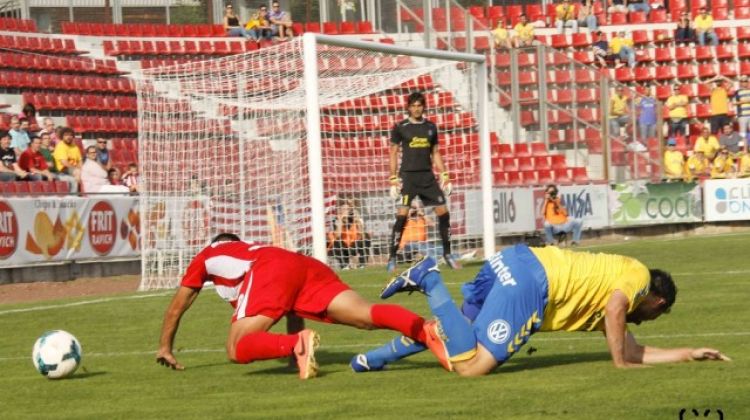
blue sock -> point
(396, 349)
(456, 327)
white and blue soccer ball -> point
(57, 354)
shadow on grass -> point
(539, 362)
(86, 375)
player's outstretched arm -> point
(181, 301)
(637, 353)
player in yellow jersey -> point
(522, 290)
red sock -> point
(264, 345)
(394, 317)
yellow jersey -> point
(617, 43)
(69, 152)
(581, 283)
(674, 164)
(744, 165)
(618, 105)
(525, 32)
(679, 102)
(722, 167)
(703, 23)
(709, 146)
(719, 101)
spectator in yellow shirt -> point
(708, 143)
(622, 46)
(565, 16)
(704, 27)
(67, 155)
(697, 166)
(677, 105)
(719, 102)
(258, 26)
(674, 161)
(500, 36)
(744, 158)
(524, 32)
(618, 111)
(723, 165)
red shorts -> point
(281, 281)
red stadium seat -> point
(561, 176)
(580, 175)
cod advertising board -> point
(642, 203)
(726, 199)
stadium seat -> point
(743, 33)
(681, 54)
(585, 57)
(743, 51)
(706, 70)
(663, 55)
(559, 41)
(330, 28)
(624, 75)
(561, 176)
(728, 69)
(580, 175)
(643, 74)
(704, 53)
(664, 73)
(618, 18)
(580, 40)
(658, 16)
(725, 52)
(637, 17)
(745, 68)
(662, 36)
(742, 13)
(365, 27)
(724, 34)
(640, 37)
(509, 164)
(312, 27)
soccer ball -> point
(56, 354)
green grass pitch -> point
(569, 376)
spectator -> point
(258, 26)
(744, 165)
(46, 150)
(281, 22)
(93, 174)
(67, 155)
(704, 27)
(29, 113)
(617, 6)
(707, 143)
(723, 165)
(618, 111)
(565, 16)
(131, 179)
(350, 238)
(232, 23)
(48, 126)
(500, 36)
(9, 169)
(622, 47)
(742, 101)
(114, 184)
(677, 105)
(556, 218)
(730, 139)
(639, 6)
(414, 238)
(684, 34)
(524, 30)
(102, 153)
(32, 161)
(697, 166)
(647, 115)
(602, 51)
(19, 134)
(674, 161)
(719, 102)
(586, 16)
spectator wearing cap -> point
(704, 27)
(707, 143)
(674, 161)
(723, 165)
(742, 101)
(697, 166)
(677, 105)
(565, 17)
(730, 139)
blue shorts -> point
(506, 301)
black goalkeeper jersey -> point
(416, 141)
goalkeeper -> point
(418, 139)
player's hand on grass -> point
(708, 354)
(395, 187)
(166, 358)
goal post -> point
(273, 144)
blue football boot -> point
(411, 279)
(360, 364)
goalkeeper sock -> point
(398, 230)
(444, 225)
(396, 349)
(458, 330)
(397, 318)
(264, 345)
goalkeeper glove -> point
(395, 187)
(445, 183)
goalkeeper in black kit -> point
(418, 139)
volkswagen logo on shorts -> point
(498, 331)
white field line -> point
(364, 286)
(587, 337)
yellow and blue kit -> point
(522, 290)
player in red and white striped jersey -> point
(264, 283)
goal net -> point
(247, 144)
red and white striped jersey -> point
(224, 263)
